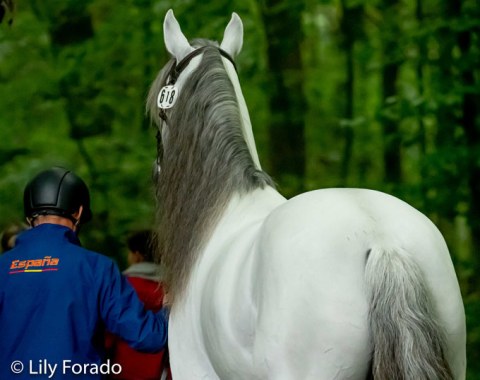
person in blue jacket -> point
(57, 298)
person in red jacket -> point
(146, 278)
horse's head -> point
(186, 58)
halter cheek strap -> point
(169, 92)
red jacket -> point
(137, 365)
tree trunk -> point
(351, 26)
(470, 103)
(287, 101)
(422, 56)
(389, 76)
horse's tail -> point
(408, 343)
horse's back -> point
(312, 302)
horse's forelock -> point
(206, 160)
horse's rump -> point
(314, 304)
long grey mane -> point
(205, 162)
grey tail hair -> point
(408, 343)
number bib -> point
(167, 97)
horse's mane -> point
(205, 161)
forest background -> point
(382, 94)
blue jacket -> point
(56, 301)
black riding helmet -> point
(57, 191)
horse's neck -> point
(246, 123)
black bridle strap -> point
(178, 68)
(228, 56)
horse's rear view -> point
(332, 284)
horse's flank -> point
(206, 161)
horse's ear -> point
(175, 41)
(233, 36)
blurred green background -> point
(382, 94)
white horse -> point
(332, 284)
